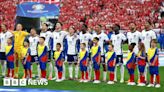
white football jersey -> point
(3, 40)
(102, 38)
(47, 36)
(58, 37)
(134, 38)
(72, 43)
(33, 44)
(85, 38)
(147, 36)
(117, 40)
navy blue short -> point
(111, 69)
(153, 70)
(119, 59)
(42, 65)
(83, 68)
(10, 65)
(96, 66)
(72, 58)
(27, 65)
(2, 56)
(34, 58)
(131, 71)
(141, 68)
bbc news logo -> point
(23, 82)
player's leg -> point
(111, 75)
(90, 67)
(151, 70)
(121, 69)
(50, 66)
(17, 53)
(76, 67)
(63, 72)
(3, 63)
(82, 73)
(117, 64)
(97, 72)
(70, 66)
(104, 67)
(59, 71)
(156, 72)
(142, 77)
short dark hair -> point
(84, 44)
(96, 38)
(46, 24)
(111, 45)
(33, 28)
(60, 23)
(117, 25)
(58, 44)
(154, 40)
(43, 38)
(133, 44)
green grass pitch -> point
(102, 87)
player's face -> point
(33, 31)
(3, 27)
(41, 40)
(71, 30)
(147, 25)
(58, 27)
(9, 41)
(58, 47)
(82, 46)
(97, 29)
(95, 41)
(132, 26)
(44, 27)
(153, 44)
(139, 47)
(130, 47)
(25, 44)
(110, 48)
(19, 27)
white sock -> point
(70, 69)
(104, 76)
(145, 73)
(33, 75)
(3, 67)
(122, 72)
(90, 71)
(138, 74)
(76, 71)
(38, 69)
(56, 72)
(50, 69)
(63, 71)
(115, 74)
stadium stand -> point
(93, 12)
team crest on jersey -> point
(99, 38)
(147, 34)
(134, 36)
(118, 37)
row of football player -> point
(83, 58)
(85, 37)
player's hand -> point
(114, 64)
(24, 63)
